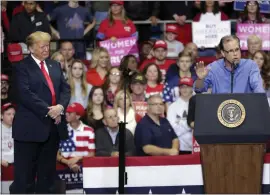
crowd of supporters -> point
(161, 80)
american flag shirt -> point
(80, 142)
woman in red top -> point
(117, 25)
(153, 76)
(99, 67)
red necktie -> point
(49, 81)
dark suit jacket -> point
(105, 146)
(33, 99)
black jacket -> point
(22, 26)
(33, 97)
(141, 10)
(169, 8)
(105, 146)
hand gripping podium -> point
(232, 130)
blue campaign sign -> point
(264, 6)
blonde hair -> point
(123, 16)
(37, 36)
(117, 98)
(255, 38)
(56, 54)
(96, 56)
(83, 79)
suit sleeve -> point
(26, 97)
(64, 90)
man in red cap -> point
(174, 46)
(4, 89)
(177, 115)
(81, 139)
(160, 51)
(7, 115)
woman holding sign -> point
(117, 25)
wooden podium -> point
(232, 158)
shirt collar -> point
(80, 128)
(110, 131)
(37, 60)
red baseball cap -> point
(4, 77)
(6, 106)
(117, 2)
(186, 81)
(14, 51)
(160, 44)
(172, 28)
(77, 108)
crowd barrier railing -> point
(157, 175)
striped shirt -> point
(81, 142)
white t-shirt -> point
(7, 144)
(177, 116)
(210, 16)
(174, 48)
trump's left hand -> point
(55, 111)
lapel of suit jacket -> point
(35, 68)
(52, 72)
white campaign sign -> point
(208, 35)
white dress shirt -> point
(38, 63)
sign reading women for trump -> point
(119, 48)
(209, 34)
(261, 30)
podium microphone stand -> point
(122, 175)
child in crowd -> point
(81, 141)
(95, 108)
(8, 112)
(80, 89)
(171, 89)
(153, 76)
(113, 83)
(177, 115)
(174, 46)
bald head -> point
(192, 49)
(111, 118)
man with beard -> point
(4, 89)
(160, 51)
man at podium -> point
(231, 74)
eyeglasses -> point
(115, 73)
(157, 104)
(111, 117)
(232, 51)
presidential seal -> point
(231, 113)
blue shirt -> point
(148, 132)
(70, 21)
(247, 78)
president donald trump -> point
(39, 124)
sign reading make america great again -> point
(120, 48)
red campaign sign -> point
(195, 146)
(140, 108)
